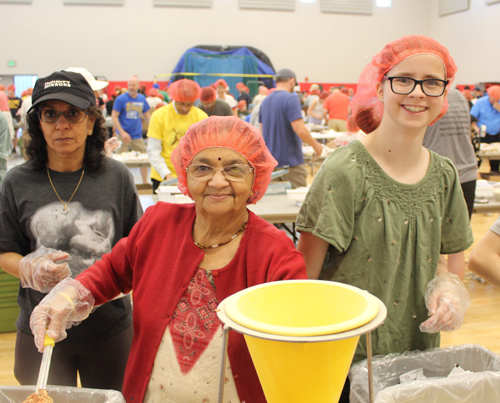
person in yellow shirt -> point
(168, 124)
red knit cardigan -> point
(157, 262)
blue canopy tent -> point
(210, 63)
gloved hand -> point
(111, 145)
(447, 300)
(43, 269)
(66, 305)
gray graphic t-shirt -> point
(103, 210)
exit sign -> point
(11, 63)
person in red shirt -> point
(181, 260)
(336, 110)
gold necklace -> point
(65, 209)
(239, 232)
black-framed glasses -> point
(73, 115)
(432, 87)
(234, 173)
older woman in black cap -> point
(59, 212)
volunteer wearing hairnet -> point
(168, 124)
(382, 210)
(213, 106)
(181, 260)
(59, 212)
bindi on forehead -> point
(220, 159)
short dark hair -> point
(36, 149)
(283, 79)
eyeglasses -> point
(73, 115)
(233, 173)
(432, 87)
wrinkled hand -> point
(43, 269)
(447, 300)
(111, 145)
(66, 305)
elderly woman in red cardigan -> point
(181, 260)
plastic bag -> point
(481, 385)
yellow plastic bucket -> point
(301, 335)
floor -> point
(481, 324)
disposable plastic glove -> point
(43, 269)
(447, 300)
(66, 305)
(111, 145)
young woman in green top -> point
(383, 210)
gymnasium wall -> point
(138, 38)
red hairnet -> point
(247, 89)
(221, 83)
(324, 95)
(263, 90)
(185, 90)
(239, 85)
(242, 104)
(153, 92)
(493, 91)
(11, 87)
(227, 132)
(345, 91)
(208, 94)
(2, 87)
(365, 105)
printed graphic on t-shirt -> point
(86, 235)
(133, 110)
(177, 136)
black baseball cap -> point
(65, 86)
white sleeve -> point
(154, 155)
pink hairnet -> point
(240, 85)
(263, 90)
(221, 83)
(185, 90)
(153, 92)
(208, 94)
(228, 132)
(493, 91)
(324, 95)
(365, 105)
